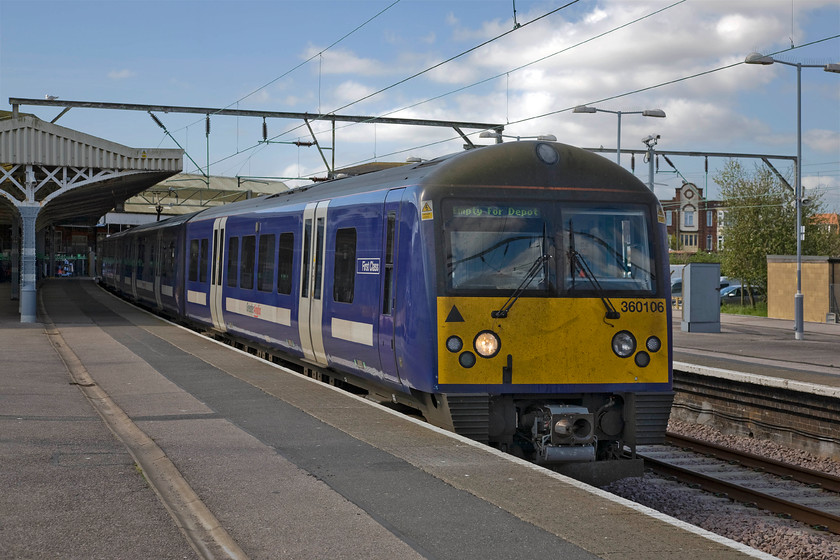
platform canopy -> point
(185, 193)
(70, 176)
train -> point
(516, 293)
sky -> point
(463, 60)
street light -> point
(764, 60)
(498, 136)
(659, 113)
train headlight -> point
(623, 344)
(454, 344)
(653, 344)
(466, 359)
(487, 344)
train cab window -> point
(203, 262)
(194, 260)
(494, 248)
(233, 262)
(284, 263)
(611, 249)
(344, 270)
(265, 263)
(246, 266)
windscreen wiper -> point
(577, 258)
(532, 273)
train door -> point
(310, 308)
(387, 352)
(216, 276)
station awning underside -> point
(73, 177)
(185, 193)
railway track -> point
(805, 495)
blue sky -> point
(320, 56)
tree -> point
(761, 220)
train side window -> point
(194, 260)
(307, 244)
(153, 263)
(265, 264)
(213, 277)
(203, 263)
(141, 253)
(387, 305)
(127, 261)
(319, 258)
(284, 263)
(344, 271)
(233, 262)
(246, 267)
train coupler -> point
(563, 434)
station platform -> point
(763, 346)
(124, 436)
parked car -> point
(732, 294)
(676, 286)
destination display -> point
(478, 211)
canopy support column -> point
(28, 307)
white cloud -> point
(121, 74)
(342, 61)
(822, 140)
(350, 91)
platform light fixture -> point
(658, 113)
(764, 60)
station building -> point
(694, 223)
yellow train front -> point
(553, 320)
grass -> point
(760, 309)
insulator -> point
(157, 120)
(207, 125)
(265, 131)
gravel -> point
(763, 531)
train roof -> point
(526, 164)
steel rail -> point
(800, 474)
(814, 517)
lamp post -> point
(498, 136)
(659, 113)
(758, 58)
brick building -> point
(694, 223)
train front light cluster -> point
(624, 346)
(486, 344)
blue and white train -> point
(516, 293)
